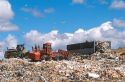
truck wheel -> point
(45, 57)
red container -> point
(31, 55)
(37, 56)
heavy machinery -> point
(46, 53)
(37, 54)
(11, 53)
(14, 53)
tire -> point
(59, 57)
(45, 57)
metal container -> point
(89, 47)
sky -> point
(61, 22)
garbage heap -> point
(101, 69)
(103, 46)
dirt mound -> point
(120, 50)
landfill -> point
(102, 67)
(97, 67)
(103, 46)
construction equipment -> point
(64, 54)
(10, 53)
(14, 53)
(20, 50)
(37, 54)
(46, 53)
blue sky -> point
(87, 15)
(41, 17)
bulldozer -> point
(46, 53)
(38, 54)
(34, 54)
(14, 53)
(11, 53)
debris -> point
(103, 46)
(93, 75)
(96, 67)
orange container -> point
(37, 56)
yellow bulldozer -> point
(18, 52)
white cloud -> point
(118, 4)
(103, 1)
(1, 49)
(1, 54)
(5, 10)
(1, 44)
(103, 32)
(49, 10)
(36, 12)
(77, 1)
(10, 41)
(33, 11)
(118, 23)
(7, 26)
(79, 31)
(6, 14)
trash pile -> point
(101, 67)
(103, 46)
